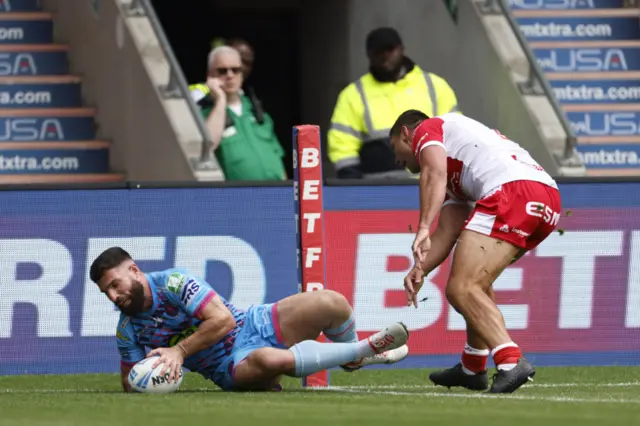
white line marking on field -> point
(85, 390)
(528, 385)
(480, 396)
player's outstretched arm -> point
(217, 321)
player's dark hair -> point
(108, 259)
(410, 118)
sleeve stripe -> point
(204, 303)
(430, 143)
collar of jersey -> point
(154, 295)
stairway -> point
(590, 53)
(46, 134)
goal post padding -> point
(309, 216)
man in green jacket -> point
(242, 133)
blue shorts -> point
(260, 330)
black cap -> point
(382, 39)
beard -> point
(134, 304)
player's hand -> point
(215, 84)
(172, 358)
(412, 285)
(421, 245)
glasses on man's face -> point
(225, 70)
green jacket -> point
(248, 150)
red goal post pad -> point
(309, 215)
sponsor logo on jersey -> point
(175, 282)
(190, 289)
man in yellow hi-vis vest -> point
(366, 109)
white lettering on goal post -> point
(310, 190)
(311, 217)
(372, 281)
(313, 254)
(310, 158)
(578, 251)
(43, 292)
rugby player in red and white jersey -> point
(494, 204)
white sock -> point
(507, 367)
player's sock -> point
(474, 360)
(346, 333)
(506, 356)
(311, 356)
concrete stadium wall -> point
(463, 54)
(122, 84)
(466, 55)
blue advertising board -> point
(33, 62)
(596, 91)
(28, 31)
(605, 123)
(50, 128)
(564, 4)
(53, 161)
(586, 28)
(588, 59)
(53, 318)
(19, 5)
(610, 156)
(44, 95)
(242, 241)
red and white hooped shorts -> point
(522, 213)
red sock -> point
(474, 360)
(506, 356)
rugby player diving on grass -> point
(517, 206)
(185, 322)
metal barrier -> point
(177, 86)
(536, 83)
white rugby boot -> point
(386, 340)
(389, 357)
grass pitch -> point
(559, 396)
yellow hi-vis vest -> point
(366, 110)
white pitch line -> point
(84, 390)
(528, 385)
(485, 396)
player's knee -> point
(457, 292)
(338, 300)
(333, 301)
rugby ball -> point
(146, 379)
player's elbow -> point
(437, 177)
(226, 322)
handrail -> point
(536, 82)
(177, 86)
